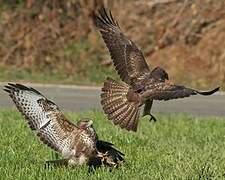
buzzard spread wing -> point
(44, 117)
(127, 58)
(72, 141)
(165, 91)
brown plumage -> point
(78, 143)
(122, 101)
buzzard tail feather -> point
(104, 20)
(116, 105)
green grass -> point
(94, 74)
(175, 147)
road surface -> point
(81, 98)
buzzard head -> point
(159, 74)
(86, 125)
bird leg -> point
(103, 156)
(152, 118)
(147, 109)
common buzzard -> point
(122, 101)
(78, 144)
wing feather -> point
(127, 58)
(165, 91)
(44, 117)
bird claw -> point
(152, 118)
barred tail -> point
(118, 108)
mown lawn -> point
(176, 147)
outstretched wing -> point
(127, 58)
(43, 116)
(164, 91)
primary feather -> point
(77, 143)
(122, 102)
(127, 58)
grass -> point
(176, 147)
(93, 75)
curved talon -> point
(152, 118)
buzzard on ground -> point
(78, 144)
(122, 101)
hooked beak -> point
(90, 123)
(167, 77)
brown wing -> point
(44, 117)
(127, 58)
(164, 91)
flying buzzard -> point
(78, 143)
(122, 101)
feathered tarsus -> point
(78, 143)
(122, 101)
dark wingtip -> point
(103, 18)
(104, 145)
(99, 142)
(7, 90)
(17, 86)
(13, 87)
(207, 93)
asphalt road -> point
(77, 98)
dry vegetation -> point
(186, 37)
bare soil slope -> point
(186, 37)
